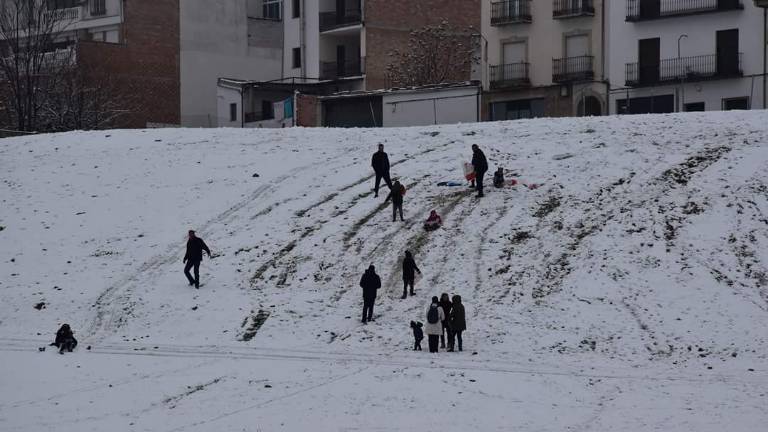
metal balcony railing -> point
(510, 75)
(98, 7)
(572, 69)
(697, 68)
(572, 8)
(68, 14)
(510, 12)
(642, 10)
(351, 15)
(334, 69)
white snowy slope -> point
(629, 291)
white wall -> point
(701, 30)
(226, 96)
(430, 107)
(214, 44)
(545, 36)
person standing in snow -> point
(370, 282)
(193, 257)
(409, 273)
(396, 195)
(481, 166)
(380, 164)
(433, 328)
(445, 303)
(458, 322)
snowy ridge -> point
(625, 292)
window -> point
(270, 9)
(740, 103)
(518, 109)
(267, 110)
(296, 8)
(233, 112)
(694, 106)
(62, 4)
(646, 105)
(296, 58)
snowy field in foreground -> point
(628, 292)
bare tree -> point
(31, 61)
(434, 54)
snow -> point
(628, 292)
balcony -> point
(697, 68)
(570, 69)
(510, 75)
(339, 19)
(643, 10)
(66, 15)
(510, 12)
(335, 69)
(562, 9)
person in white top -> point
(434, 327)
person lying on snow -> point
(498, 178)
(434, 221)
(65, 339)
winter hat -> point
(434, 299)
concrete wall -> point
(215, 43)
(431, 107)
(226, 96)
(701, 30)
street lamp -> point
(764, 4)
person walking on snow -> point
(193, 257)
(380, 164)
(370, 282)
(396, 195)
(458, 322)
(409, 275)
(433, 328)
(481, 166)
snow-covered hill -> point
(629, 291)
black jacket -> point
(479, 161)
(380, 162)
(447, 308)
(409, 269)
(458, 320)
(63, 335)
(370, 282)
(396, 195)
(195, 248)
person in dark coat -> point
(498, 178)
(409, 273)
(370, 282)
(418, 335)
(193, 257)
(380, 164)
(65, 339)
(458, 322)
(445, 303)
(481, 166)
(396, 195)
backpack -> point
(432, 316)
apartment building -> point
(685, 55)
(543, 58)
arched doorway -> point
(593, 106)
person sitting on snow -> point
(498, 178)
(433, 221)
(65, 339)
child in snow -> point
(498, 178)
(65, 339)
(433, 221)
(396, 195)
(418, 335)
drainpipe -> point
(765, 52)
(242, 107)
(302, 38)
(603, 56)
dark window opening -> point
(267, 110)
(296, 58)
(694, 106)
(741, 103)
(233, 112)
(296, 8)
(62, 4)
(518, 109)
(646, 105)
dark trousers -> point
(395, 208)
(452, 337)
(479, 179)
(196, 280)
(368, 309)
(434, 340)
(405, 287)
(417, 345)
(387, 180)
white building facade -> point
(683, 55)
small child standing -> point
(418, 335)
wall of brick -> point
(389, 22)
(145, 64)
